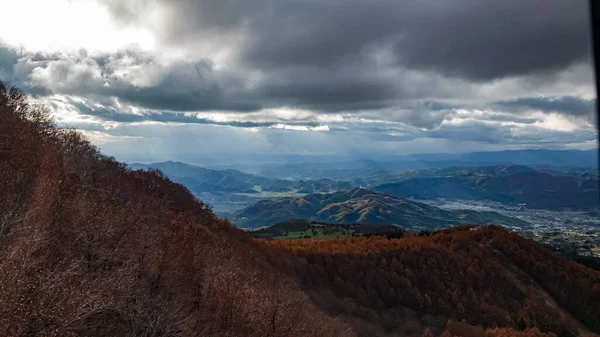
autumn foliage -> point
(91, 248)
(485, 276)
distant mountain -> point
(574, 158)
(532, 188)
(198, 180)
(350, 168)
(577, 172)
(388, 177)
(362, 206)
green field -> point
(317, 233)
(304, 229)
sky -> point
(149, 80)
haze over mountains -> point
(199, 180)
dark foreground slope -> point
(90, 248)
(483, 275)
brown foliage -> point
(91, 248)
(484, 275)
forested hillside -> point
(483, 275)
(89, 247)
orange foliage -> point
(485, 275)
(91, 248)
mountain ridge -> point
(359, 205)
(199, 179)
(532, 188)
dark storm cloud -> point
(502, 134)
(8, 59)
(113, 115)
(330, 90)
(567, 105)
(350, 55)
(174, 96)
(181, 86)
(474, 39)
(484, 40)
(185, 86)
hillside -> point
(362, 206)
(89, 247)
(532, 188)
(483, 275)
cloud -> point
(8, 59)
(567, 105)
(356, 55)
(462, 38)
(355, 74)
(138, 79)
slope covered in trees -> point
(484, 275)
(90, 248)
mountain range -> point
(198, 180)
(255, 162)
(519, 185)
(362, 206)
(319, 167)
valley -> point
(570, 232)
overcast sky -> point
(180, 79)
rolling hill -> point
(457, 280)
(362, 206)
